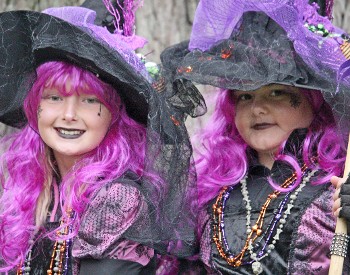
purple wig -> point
(223, 158)
(27, 165)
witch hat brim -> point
(264, 44)
(30, 38)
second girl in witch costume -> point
(276, 137)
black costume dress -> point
(99, 247)
(304, 244)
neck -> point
(266, 159)
(65, 163)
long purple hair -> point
(27, 165)
(222, 157)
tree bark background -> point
(163, 23)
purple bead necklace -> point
(276, 225)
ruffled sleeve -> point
(205, 241)
(112, 212)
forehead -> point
(271, 87)
(67, 88)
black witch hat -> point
(69, 34)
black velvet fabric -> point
(113, 266)
(43, 246)
(259, 189)
(42, 251)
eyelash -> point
(240, 97)
(273, 93)
(280, 92)
(52, 97)
(92, 100)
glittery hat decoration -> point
(123, 12)
(322, 27)
(292, 16)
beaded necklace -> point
(60, 253)
(279, 219)
(219, 236)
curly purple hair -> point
(27, 170)
(223, 159)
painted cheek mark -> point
(295, 101)
(99, 113)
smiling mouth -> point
(69, 133)
(262, 126)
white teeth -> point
(68, 132)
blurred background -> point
(163, 23)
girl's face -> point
(267, 116)
(72, 125)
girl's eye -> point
(277, 92)
(244, 97)
(53, 98)
(92, 100)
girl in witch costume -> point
(276, 137)
(83, 190)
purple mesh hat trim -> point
(84, 18)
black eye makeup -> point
(295, 100)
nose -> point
(70, 109)
(259, 106)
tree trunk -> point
(341, 14)
(36, 5)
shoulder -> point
(116, 192)
(114, 209)
(115, 199)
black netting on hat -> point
(258, 53)
(28, 39)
